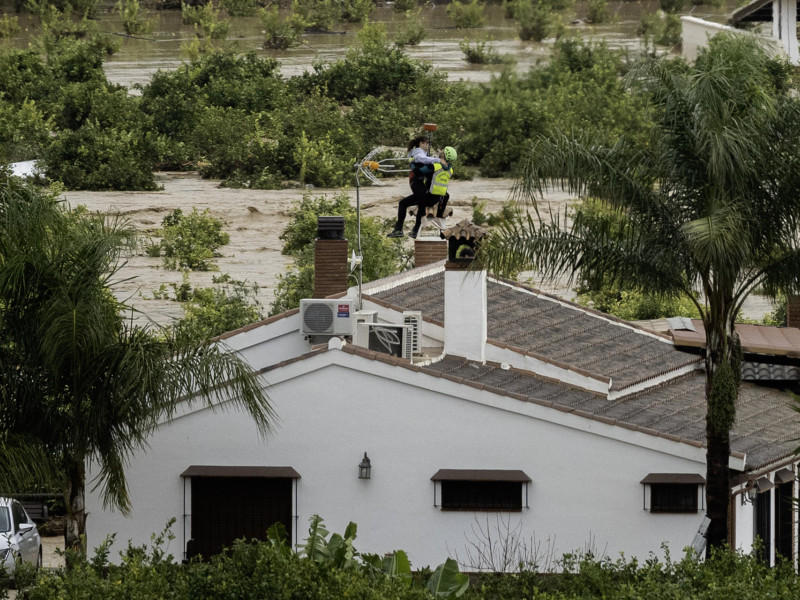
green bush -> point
(94, 157)
(211, 311)
(240, 8)
(208, 19)
(133, 20)
(327, 567)
(405, 5)
(355, 11)
(412, 31)
(191, 241)
(479, 54)
(598, 11)
(280, 31)
(662, 29)
(24, 132)
(373, 68)
(466, 16)
(319, 15)
(382, 256)
(9, 26)
(535, 19)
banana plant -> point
(447, 581)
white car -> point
(19, 537)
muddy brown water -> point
(255, 218)
(140, 56)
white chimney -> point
(465, 318)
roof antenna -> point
(368, 167)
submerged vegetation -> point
(232, 116)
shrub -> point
(355, 11)
(405, 5)
(382, 256)
(100, 158)
(372, 68)
(24, 132)
(133, 21)
(598, 11)
(479, 54)
(208, 18)
(190, 241)
(466, 16)
(239, 8)
(319, 15)
(660, 28)
(534, 18)
(280, 31)
(228, 142)
(9, 26)
(412, 30)
(211, 311)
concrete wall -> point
(585, 491)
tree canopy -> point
(708, 209)
(79, 380)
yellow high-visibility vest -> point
(440, 179)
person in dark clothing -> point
(421, 165)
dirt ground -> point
(255, 219)
(50, 559)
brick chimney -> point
(429, 250)
(330, 257)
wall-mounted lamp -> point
(364, 467)
(750, 493)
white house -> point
(774, 22)
(517, 410)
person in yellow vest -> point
(440, 179)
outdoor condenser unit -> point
(388, 338)
(326, 316)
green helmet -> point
(450, 154)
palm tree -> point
(78, 380)
(710, 206)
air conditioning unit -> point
(385, 337)
(326, 316)
(413, 318)
(365, 316)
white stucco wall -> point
(696, 33)
(335, 406)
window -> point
(673, 497)
(470, 489)
(672, 492)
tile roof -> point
(766, 428)
(756, 339)
(556, 330)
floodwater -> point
(255, 218)
(140, 56)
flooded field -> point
(140, 56)
(255, 218)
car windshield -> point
(5, 522)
